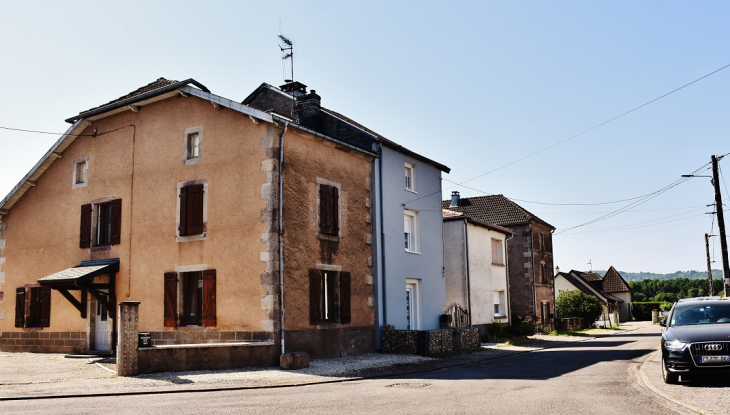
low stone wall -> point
(429, 341)
(197, 335)
(210, 356)
(39, 341)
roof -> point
(575, 278)
(159, 87)
(496, 209)
(82, 273)
(271, 99)
(456, 216)
(613, 282)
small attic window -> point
(81, 172)
(192, 145)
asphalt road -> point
(596, 376)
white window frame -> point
(499, 304)
(498, 252)
(411, 217)
(200, 236)
(410, 168)
(190, 132)
(413, 288)
(76, 184)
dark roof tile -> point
(613, 282)
(495, 209)
(159, 83)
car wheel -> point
(669, 377)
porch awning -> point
(81, 277)
(81, 274)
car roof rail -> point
(713, 298)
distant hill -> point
(692, 275)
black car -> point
(696, 338)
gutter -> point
(281, 231)
(328, 138)
(382, 232)
(508, 305)
(466, 254)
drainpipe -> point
(508, 306)
(281, 231)
(466, 254)
(534, 281)
(382, 232)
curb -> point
(324, 382)
(649, 385)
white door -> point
(101, 328)
(412, 305)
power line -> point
(582, 132)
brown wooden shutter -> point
(325, 209)
(183, 228)
(335, 210)
(345, 316)
(45, 306)
(170, 299)
(20, 307)
(85, 232)
(116, 221)
(209, 297)
(194, 210)
(315, 295)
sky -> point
(503, 93)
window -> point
(542, 241)
(81, 172)
(499, 310)
(413, 299)
(193, 145)
(192, 212)
(37, 313)
(198, 293)
(329, 297)
(497, 252)
(410, 230)
(101, 224)
(329, 209)
(410, 177)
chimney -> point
(455, 198)
(557, 270)
(308, 107)
(296, 88)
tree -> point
(577, 304)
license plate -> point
(714, 359)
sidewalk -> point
(39, 375)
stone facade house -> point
(407, 237)
(475, 266)
(178, 199)
(530, 252)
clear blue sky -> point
(473, 85)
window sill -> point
(191, 238)
(328, 237)
(101, 248)
(413, 252)
(328, 325)
(412, 191)
(79, 185)
(190, 161)
(497, 265)
(500, 316)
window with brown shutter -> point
(345, 298)
(191, 210)
(209, 318)
(329, 209)
(170, 299)
(315, 294)
(115, 221)
(45, 307)
(85, 232)
(20, 307)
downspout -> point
(466, 255)
(508, 306)
(382, 231)
(534, 281)
(281, 232)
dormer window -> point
(410, 177)
(193, 145)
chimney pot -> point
(455, 198)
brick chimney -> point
(295, 88)
(308, 110)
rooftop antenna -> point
(287, 53)
(590, 264)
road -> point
(596, 376)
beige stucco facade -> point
(138, 156)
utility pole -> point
(709, 266)
(721, 225)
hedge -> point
(642, 311)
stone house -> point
(407, 225)
(475, 265)
(177, 198)
(530, 252)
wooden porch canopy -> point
(81, 277)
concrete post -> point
(654, 316)
(128, 326)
